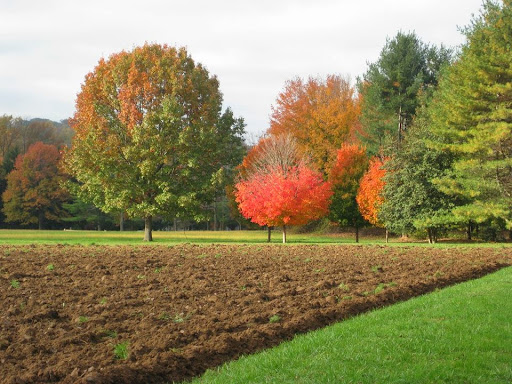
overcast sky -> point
(47, 47)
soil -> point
(186, 308)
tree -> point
(282, 189)
(369, 196)
(472, 120)
(231, 149)
(9, 132)
(320, 114)
(411, 201)
(149, 137)
(36, 130)
(344, 176)
(390, 86)
(34, 191)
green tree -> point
(472, 119)
(345, 174)
(86, 215)
(411, 201)
(390, 87)
(34, 191)
(231, 150)
(149, 136)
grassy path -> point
(462, 334)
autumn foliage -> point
(369, 197)
(150, 138)
(345, 174)
(34, 191)
(351, 163)
(280, 188)
(320, 114)
(280, 198)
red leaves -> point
(369, 197)
(351, 163)
(277, 198)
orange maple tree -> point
(34, 191)
(369, 197)
(320, 114)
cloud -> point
(47, 48)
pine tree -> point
(472, 119)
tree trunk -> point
(175, 225)
(429, 233)
(121, 222)
(40, 219)
(469, 230)
(215, 214)
(357, 233)
(148, 228)
(269, 233)
(387, 236)
(284, 234)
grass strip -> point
(461, 334)
(28, 236)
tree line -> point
(420, 144)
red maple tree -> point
(278, 186)
(279, 198)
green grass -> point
(462, 334)
(109, 237)
(24, 236)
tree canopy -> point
(34, 187)
(282, 188)
(345, 176)
(320, 114)
(389, 88)
(471, 118)
(149, 135)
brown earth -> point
(186, 308)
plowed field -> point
(69, 313)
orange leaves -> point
(278, 198)
(369, 198)
(34, 185)
(320, 114)
(351, 163)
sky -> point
(253, 47)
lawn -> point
(24, 236)
(159, 237)
(461, 334)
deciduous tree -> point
(282, 189)
(369, 196)
(320, 114)
(34, 187)
(149, 135)
(344, 176)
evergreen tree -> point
(390, 88)
(472, 119)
